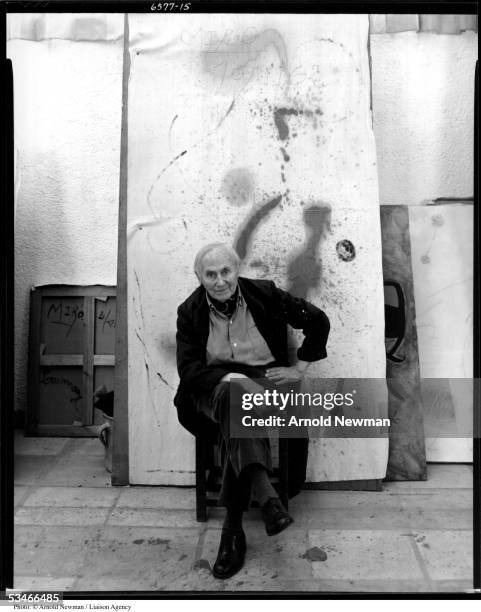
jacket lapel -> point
(200, 317)
(261, 317)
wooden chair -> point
(203, 485)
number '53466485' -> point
(33, 597)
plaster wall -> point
(67, 148)
(423, 100)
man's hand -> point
(283, 375)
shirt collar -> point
(212, 308)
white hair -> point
(210, 247)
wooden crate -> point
(71, 353)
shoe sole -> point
(280, 528)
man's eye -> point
(225, 271)
(210, 275)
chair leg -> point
(284, 472)
(200, 480)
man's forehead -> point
(217, 257)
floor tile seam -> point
(155, 508)
(43, 473)
(381, 514)
(200, 544)
(66, 451)
(73, 487)
(111, 510)
(406, 581)
(79, 507)
(421, 562)
(392, 496)
(25, 495)
(84, 532)
(194, 531)
(423, 491)
(116, 497)
(399, 529)
(336, 585)
(16, 451)
(82, 570)
(428, 496)
(198, 553)
(147, 525)
(406, 509)
(391, 501)
(57, 509)
(55, 462)
(18, 454)
(121, 507)
(306, 544)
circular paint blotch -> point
(425, 259)
(238, 186)
(345, 250)
(437, 220)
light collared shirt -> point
(235, 340)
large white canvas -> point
(237, 125)
(442, 261)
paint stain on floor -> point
(314, 554)
(155, 541)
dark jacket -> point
(272, 310)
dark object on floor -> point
(106, 436)
(314, 554)
(230, 558)
(104, 401)
(275, 517)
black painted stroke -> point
(241, 244)
(305, 269)
(395, 321)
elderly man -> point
(233, 330)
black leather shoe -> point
(276, 517)
(230, 558)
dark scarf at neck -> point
(228, 307)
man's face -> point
(219, 274)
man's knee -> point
(221, 401)
(227, 398)
(222, 393)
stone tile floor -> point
(75, 532)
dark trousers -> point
(236, 453)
